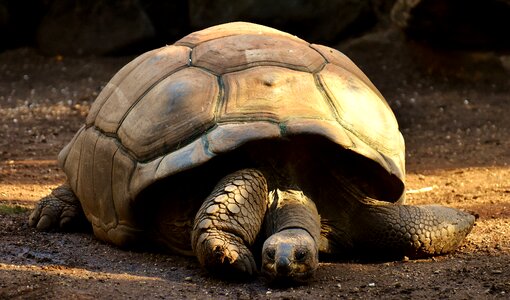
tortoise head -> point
(290, 256)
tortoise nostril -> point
(283, 266)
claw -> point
(59, 210)
(34, 217)
(45, 223)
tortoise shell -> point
(176, 107)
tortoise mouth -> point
(293, 277)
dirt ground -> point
(453, 110)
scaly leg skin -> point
(60, 210)
(228, 222)
(291, 253)
(414, 231)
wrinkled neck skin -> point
(291, 250)
(289, 207)
(292, 225)
(298, 175)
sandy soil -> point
(453, 113)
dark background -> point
(83, 27)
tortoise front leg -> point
(59, 210)
(228, 222)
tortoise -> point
(244, 145)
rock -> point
(312, 20)
(93, 27)
(455, 23)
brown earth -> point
(452, 107)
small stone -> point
(371, 284)
(497, 271)
(405, 259)
(189, 279)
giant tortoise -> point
(240, 137)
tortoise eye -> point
(300, 254)
(270, 253)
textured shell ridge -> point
(230, 29)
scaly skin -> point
(59, 210)
(228, 222)
(414, 231)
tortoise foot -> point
(60, 210)
(225, 254)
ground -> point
(452, 108)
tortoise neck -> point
(292, 209)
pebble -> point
(189, 279)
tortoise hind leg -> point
(228, 222)
(415, 231)
(60, 210)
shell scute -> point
(233, 53)
(360, 110)
(273, 93)
(127, 91)
(177, 108)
